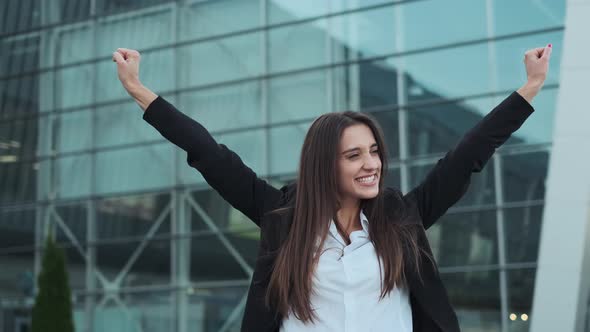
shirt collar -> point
(364, 224)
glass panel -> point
(220, 60)
(19, 96)
(392, 179)
(131, 216)
(75, 44)
(122, 124)
(475, 295)
(481, 190)
(446, 74)
(113, 6)
(143, 30)
(75, 265)
(285, 10)
(364, 34)
(419, 18)
(74, 85)
(229, 107)
(74, 130)
(19, 15)
(75, 218)
(18, 139)
(378, 84)
(203, 17)
(388, 120)
(17, 228)
(210, 308)
(299, 96)
(521, 285)
(18, 55)
(298, 46)
(511, 17)
(18, 181)
(150, 267)
(524, 176)
(246, 243)
(285, 147)
(72, 176)
(218, 211)
(142, 168)
(140, 311)
(17, 278)
(210, 260)
(522, 229)
(469, 238)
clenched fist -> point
(128, 70)
(536, 62)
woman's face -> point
(359, 164)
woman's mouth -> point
(368, 181)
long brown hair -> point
(316, 203)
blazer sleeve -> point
(449, 179)
(223, 169)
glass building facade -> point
(150, 247)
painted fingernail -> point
(550, 45)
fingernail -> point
(549, 45)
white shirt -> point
(347, 286)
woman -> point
(338, 251)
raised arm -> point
(221, 167)
(448, 181)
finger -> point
(118, 58)
(547, 52)
(128, 53)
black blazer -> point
(443, 186)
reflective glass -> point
(526, 15)
(285, 146)
(475, 296)
(378, 84)
(522, 229)
(220, 60)
(298, 46)
(122, 124)
(217, 211)
(18, 139)
(19, 95)
(74, 217)
(135, 263)
(74, 86)
(211, 260)
(75, 44)
(211, 308)
(73, 130)
(146, 311)
(435, 23)
(17, 228)
(364, 34)
(131, 216)
(280, 11)
(17, 278)
(299, 96)
(468, 238)
(224, 108)
(71, 177)
(521, 286)
(210, 18)
(524, 176)
(18, 182)
(19, 15)
(18, 55)
(133, 169)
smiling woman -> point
(338, 250)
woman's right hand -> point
(128, 67)
(128, 70)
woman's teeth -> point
(367, 179)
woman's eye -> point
(353, 156)
(375, 151)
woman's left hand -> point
(536, 62)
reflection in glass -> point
(469, 238)
(522, 227)
(521, 285)
(524, 176)
(475, 296)
(285, 145)
(17, 228)
(210, 18)
(298, 96)
(298, 46)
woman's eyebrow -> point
(358, 149)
